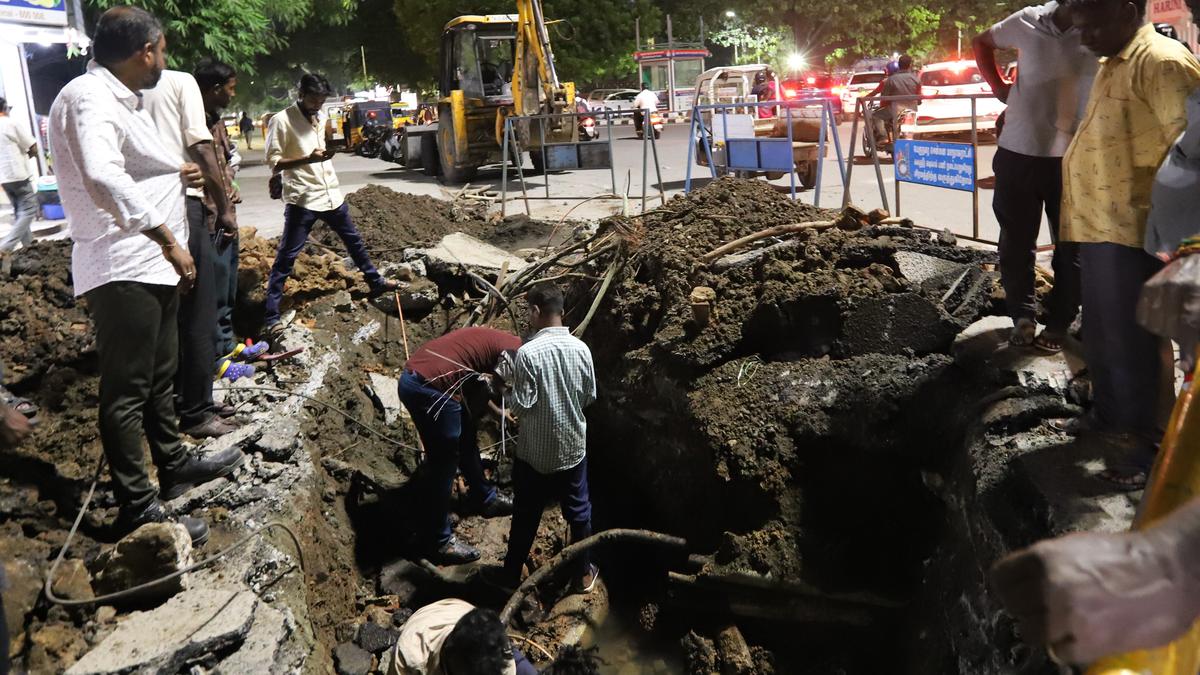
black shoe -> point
(129, 520)
(453, 552)
(225, 411)
(213, 427)
(197, 470)
(500, 579)
(501, 505)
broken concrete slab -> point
(257, 654)
(24, 585)
(352, 659)
(152, 551)
(163, 640)
(279, 440)
(985, 344)
(385, 392)
(463, 249)
(55, 646)
(926, 270)
(72, 581)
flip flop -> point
(1022, 333)
(22, 405)
(1048, 344)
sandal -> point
(233, 371)
(22, 405)
(1022, 333)
(1048, 342)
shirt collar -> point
(1141, 37)
(131, 99)
(552, 330)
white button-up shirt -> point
(15, 141)
(115, 180)
(291, 135)
(177, 108)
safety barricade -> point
(936, 163)
(572, 155)
(735, 144)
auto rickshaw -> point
(366, 125)
(402, 116)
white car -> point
(859, 85)
(953, 116)
(611, 99)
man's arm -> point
(274, 151)
(985, 58)
(524, 385)
(589, 382)
(1166, 90)
(205, 154)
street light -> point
(729, 13)
(795, 62)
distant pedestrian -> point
(177, 108)
(1045, 106)
(553, 380)
(295, 149)
(246, 125)
(644, 103)
(900, 83)
(16, 147)
(1137, 110)
(124, 200)
(433, 388)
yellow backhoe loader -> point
(494, 67)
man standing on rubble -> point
(434, 388)
(553, 380)
(122, 191)
(1137, 110)
(177, 108)
(296, 150)
(1045, 105)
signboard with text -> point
(1168, 11)
(47, 12)
(944, 165)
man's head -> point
(1106, 26)
(545, 306)
(477, 646)
(3, 106)
(129, 41)
(313, 91)
(1194, 6)
(218, 83)
(905, 63)
(645, 86)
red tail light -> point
(655, 118)
(812, 80)
(790, 93)
(371, 114)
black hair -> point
(479, 643)
(211, 73)
(3, 104)
(1093, 4)
(905, 62)
(315, 83)
(123, 32)
(573, 660)
(546, 297)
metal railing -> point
(700, 132)
(861, 109)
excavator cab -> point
(492, 67)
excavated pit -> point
(843, 477)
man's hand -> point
(192, 176)
(14, 427)
(320, 155)
(184, 266)
(235, 196)
(1091, 595)
(227, 224)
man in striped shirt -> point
(552, 382)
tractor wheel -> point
(451, 174)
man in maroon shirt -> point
(432, 389)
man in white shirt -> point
(296, 149)
(123, 196)
(16, 147)
(177, 108)
(644, 103)
(453, 637)
(1045, 106)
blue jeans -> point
(25, 208)
(297, 224)
(448, 433)
(531, 491)
(225, 276)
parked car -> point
(611, 99)
(942, 117)
(813, 86)
(859, 85)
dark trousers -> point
(448, 432)
(137, 337)
(531, 491)
(524, 667)
(197, 320)
(225, 281)
(297, 224)
(1025, 186)
(1124, 359)
(25, 208)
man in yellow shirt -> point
(1136, 112)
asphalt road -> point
(930, 207)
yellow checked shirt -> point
(1136, 112)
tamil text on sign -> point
(946, 165)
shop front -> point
(1176, 13)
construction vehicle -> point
(494, 67)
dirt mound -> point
(42, 324)
(388, 219)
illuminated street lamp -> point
(730, 14)
(795, 62)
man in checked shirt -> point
(552, 382)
